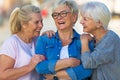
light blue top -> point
(105, 59)
(51, 47)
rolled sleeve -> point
(81, 72)
(71, 73)
(51, 65)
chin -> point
(37, 34)
(61, 28)
(85, 31)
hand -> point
(49, 33)
(73, 62)
(42, 57)
(48, 77)
(36, 59)
(87, 37)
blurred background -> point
(6, 7)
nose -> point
(40, 24)
(59, 17)
(81, 21)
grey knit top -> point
(105, 59)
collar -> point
(75, 35)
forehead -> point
(61, 8)
(35, 16)
(85, 14)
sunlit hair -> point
(70, 3)
(21, 15)
(97, 11)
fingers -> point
(42, 57)
(48, 77)
(86, 37)
(49, 33)
(36, 59)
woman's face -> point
(34, 26)
(89, 25)
(63, 17)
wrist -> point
(55, 77)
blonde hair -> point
(21, 15)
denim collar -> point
(75, 35)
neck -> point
(66, 37)
(24, 37)
(99, 35)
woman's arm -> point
(66, 63)
(102, 53)
(85, 39)
(8, 72)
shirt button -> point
(58, 55)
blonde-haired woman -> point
(17, 56)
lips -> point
(38, 30)
(84, 26)
(61, 23)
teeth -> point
(61, 22)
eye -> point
(63, 13)
(86, 19)
(36, 22)
(54, 14)
(41, 21)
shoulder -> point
(9, 47)
(112, 37)
(11, 40)
(45, 39)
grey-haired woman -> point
(105, 59)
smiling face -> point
(33, 27)
(89, 25)
(63, 17)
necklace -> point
(26, 39)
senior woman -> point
(62, 51)
(105, 59)
(17, 55)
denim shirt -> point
(51, 47)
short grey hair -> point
(97, 11)
(70, 3)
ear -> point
(75, 17)
(100, 23)
(23, 24)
